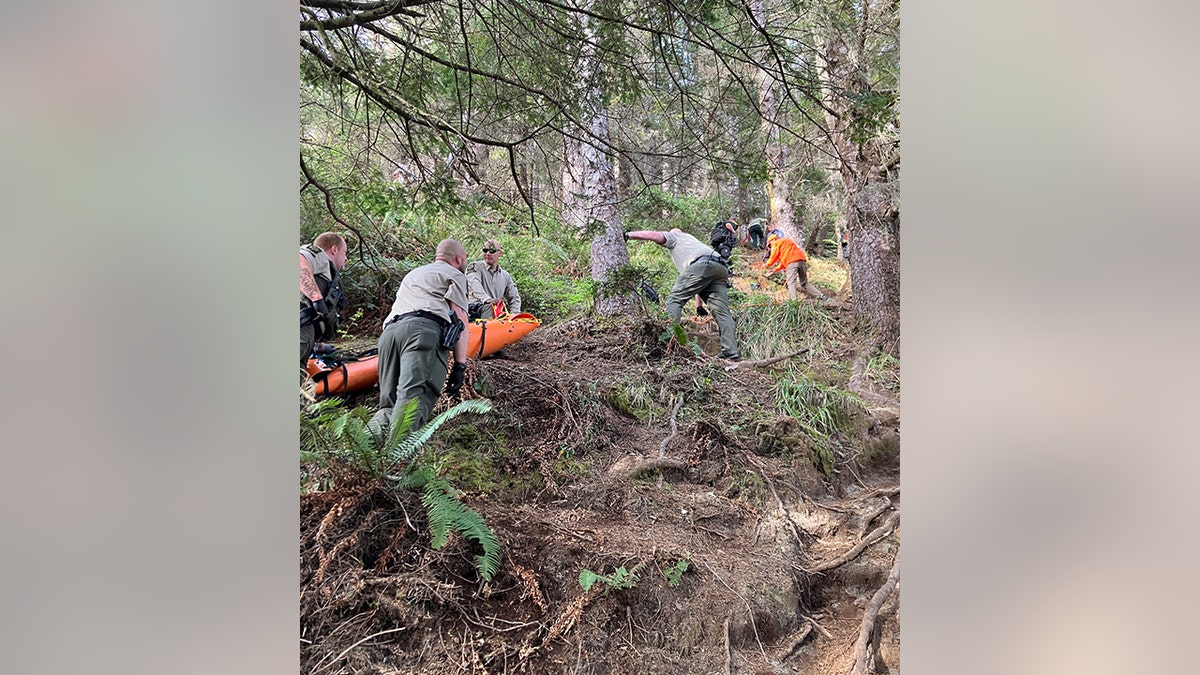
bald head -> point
(453, 254)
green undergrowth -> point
(347, 447)
(746, 484)
(495, 461)
(827, 416)
(884, 370)
(633, 396)
(471, 459)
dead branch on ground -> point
(763, 363)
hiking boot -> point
(729, 356)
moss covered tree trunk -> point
(589, 182)
(866, 142)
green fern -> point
(447, 514)
(406, 446)
(317, 434)
(353, 440)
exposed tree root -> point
(884, 408)
(653, 465)
(862, 655)
(662, 447)
(872, 515)
(787, 516)
(728, 651)
(797, 641)
(818, 626)
(875, 535)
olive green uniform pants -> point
(709, 280)
(308, 338)
(412, 364)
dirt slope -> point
(608, 449)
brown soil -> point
(587, 473)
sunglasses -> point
(491, 250)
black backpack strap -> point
(322, 378)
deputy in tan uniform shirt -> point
(702, 273)
(487, 283)
(412, 360)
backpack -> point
(722, 241)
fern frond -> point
(447, 514)
(338, 425)
(403, 448)
(416, 479)
(403, 421)
(365, 452)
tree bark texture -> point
(871, 208)
(589, 182)
(779, 192)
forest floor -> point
(724, 547)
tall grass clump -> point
(826, 414)
(766, 329)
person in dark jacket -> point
(758, 239)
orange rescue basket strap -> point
(322, 378)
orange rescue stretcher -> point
(336, 377)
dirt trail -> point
(724, 532)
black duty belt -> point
(703, 258)
(423, 314)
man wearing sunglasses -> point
(489, 284)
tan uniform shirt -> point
(484, 285)
(684, 248)
(430, 288)
(320, 264)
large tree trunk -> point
(815, 244)
(590, 184)
(779, 193)
(871, 208)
